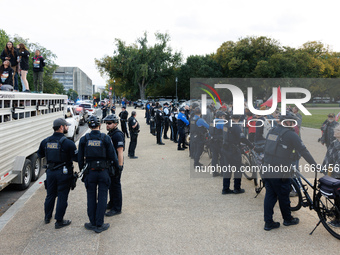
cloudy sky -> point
(78, 31)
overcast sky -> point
(80, 31)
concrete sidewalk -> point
(167, 212)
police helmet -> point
(194, 105)
(236, 116)
(111, 117)
(93, 121)
(219, 114)
(288, 116)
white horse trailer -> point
(25, 120)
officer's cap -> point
(60, 122)
(124, 106)
(181, 109)
(166, 103)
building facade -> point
(74, 78)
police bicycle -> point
(252, 161)
(325, 199)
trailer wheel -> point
(26, 175)
(36, 166)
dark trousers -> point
(97, 182)
(251, 137)
(115, 192)
(133, 143)
(159, 129)
(104, 113)
(147, 115)
(57, 185)
(124, 129)
(232, 161)
(199, 147)
(152, 127)
(215, 147)
(166, 127)
(174, 134)
(181, 138)
(38, 81)
(277, 189)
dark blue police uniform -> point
(232, 137)
(198, 130)
(182, 123)
(280, 144)
(59, 152)
(99, 152)
(133, 136)
(115, 190)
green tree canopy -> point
(140, 65)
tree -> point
(72, 94)
(140, 65)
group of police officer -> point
(100, 159)
(282, 148)
(161, 118)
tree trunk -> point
(142, 91)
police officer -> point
(59, 152)
(100, 161)
(198, 130)
(173, 125)
(281, 143)
(182, 122)
(166, 115)
(123, 115)
(118, 140)
(147, 112)
(216, 138)
(232, 137)
(159, 118)
(152, 119)
(134, 130)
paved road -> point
(167, 212)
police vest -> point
(54, 152)
(94, 147)
(166, 115)
(274, 146)
(195, 130)
(216, 134)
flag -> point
(269, 102)
(337, 117)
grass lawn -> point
(317, 118)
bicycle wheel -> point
(295, 196)
(247, 167)
(328, 210)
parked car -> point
(72, 118)
(138, 103)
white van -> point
(25, 120)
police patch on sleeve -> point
(121, 143)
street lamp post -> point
(114, 91)
(176, 88)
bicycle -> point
(325, 200)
